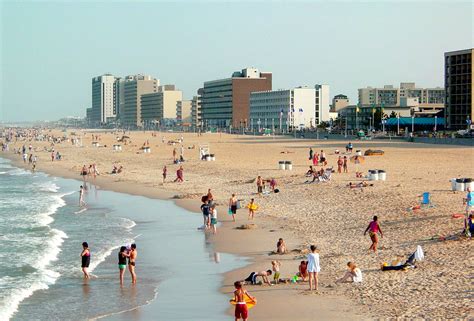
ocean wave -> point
(19, 172)
(41, 279)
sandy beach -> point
(328, 214)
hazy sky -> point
(51, 50)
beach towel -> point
(419, 255)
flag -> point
(300, 110)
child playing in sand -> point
(303, 270)
(313, 268)
(276, 269)
(281, 246)
(373, 229)
(354, 274)
(252, 206)
(241, 311)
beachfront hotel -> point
(196, 112)
(160, 106)
(339, 102)
(226, 102)
(283, 110)
(459, 87)
(103, 99)
(134, 87)
(389, 95)
(183, 112)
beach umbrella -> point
(357, 159)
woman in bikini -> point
(373, 229)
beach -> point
(328, 214)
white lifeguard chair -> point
(204, 150)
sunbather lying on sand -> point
(359, 185)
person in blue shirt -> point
(469, 201)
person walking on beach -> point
(373, 229)
(241, 310)
(233, 206)
(340, 163)
(165, 171)
(179, 175)
(311, 154)
(131, 262)
(259, 185)
(322, 158)
(252, 206)
(206, 210)
(85, 259)
(469, 201)
(81, 197)
(122, 262)
(313, 268)
(315, 159)
(344, 164)
(174, 155)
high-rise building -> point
(183, 112)
(388, 96)
(459, 88)
(119, 97)
(424, 95)
(161, 105)
(283, 109)
(322, 104)
(196, 116)
(226, 102)
(103, 99)
(134, 87)
(339, 102)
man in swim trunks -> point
(131, 262)
(241, 310)
(81, 197)
(233, 206)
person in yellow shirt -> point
(252, 206)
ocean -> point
(42, 228)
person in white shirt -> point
(313, 268)
(354, 274)
(214, 219)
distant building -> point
(183, 112)
(339, 102)
(226, 102)
(322, 104)
(283, 109)
(119, 97)
(89, 114)
(196, 112)
(134, 87)
(391, 96)
(103, 99)
(161, 105)
(459, 87)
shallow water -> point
(43, 228)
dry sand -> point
(330, 215)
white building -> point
(322, 104)
(283, 109)
(103, 99)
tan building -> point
(459, 86)
(161, 106)
(134, 87)
(183, 112)
(388, 96)
(339, 102)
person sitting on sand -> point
(252, 278)
(469, 225)
(354, 274)
(303, 270)
(276, 269)
(310, 172)
(281, 246)
(373, 229)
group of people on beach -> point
(127, 256)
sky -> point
(50, 51)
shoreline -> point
(227, 241)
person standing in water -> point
(86, 259)
(241, 310)
(81, 197)
(131, 263)
(122, 262)
(373, 229)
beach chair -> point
(326, 177)
(426, 200)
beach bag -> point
(229, 211)
(276, 190)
